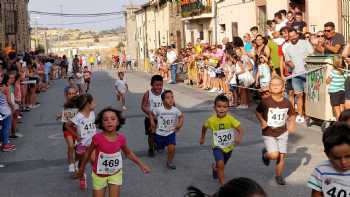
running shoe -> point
(124, 108)
(171, 165)
(71, 167)
(280, 180)
(300, 119)
(8, 148)
(264, 159)
(213, 90)
(242, 107)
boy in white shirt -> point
(121, 88)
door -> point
(210, 39)
(261, 18)
(178, 40)
(192, 37)
(234, 29)
(345, 18)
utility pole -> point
(61, 26)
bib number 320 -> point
(109, 164)
(224, 138)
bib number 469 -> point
(111, 163)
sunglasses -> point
(319, 36)
(327, 30)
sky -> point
(79, 7)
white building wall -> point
(321, 13)
(273, 6)
(151, 28)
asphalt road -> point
(39, 168)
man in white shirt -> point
(171, 57)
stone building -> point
(14, 25)
(130, 31)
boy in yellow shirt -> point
(225, 138)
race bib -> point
(224, 138)
(333, 188)
(68, 114)
(87, 129)
(277, 117)
(109, 164)
(167, 123)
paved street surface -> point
(38, 167)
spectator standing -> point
(248, 47)
(254, 31)
(334, 42)
(171, 60)
(295, 59)
(290, 18)
(279, 21)
(299, 23)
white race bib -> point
(277, 117)
(109, 164)
(87, 129)
(224, 138)
(167, 123)
(336, 189)
(68, 114)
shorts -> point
(164, 141)
(101, 182)
(233, 87)
(347, 88)
(69, 134)
(289, 85)
(276, 144)
(81, 149)
(148, 126)
(220, 155)
(211, 74)
(220, 75)
(337, 98)
(298, 84)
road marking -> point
(56, 136)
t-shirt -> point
(275, 57)
(275, 114)
(108, 154)
(248, 47)
(338, 81)
(167, 120)
(5, 109)
(297, 54)
(299, 25)
(222, 130)
(330, 182)
(171, 57)
(120, 85)
(335, 40)
(47, 67)
(85, 126)
(265, 73)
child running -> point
(276, 116)
(106, 148)
(331, 178)
(121, 88)
(69, 136)
(169, 122)
(87, 78)
(224, 138)
(84, 122)
(152, 101)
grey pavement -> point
(39, 168)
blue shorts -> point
(298, 84)
(219, 155)
(163, 141)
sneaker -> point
(83, 183)
(35, 106)
(280, 180)
(2, 165)
(212, 90)
(171, 165)
(264, 159)
(300, 119)
(220, 91)
(242, 107)
(8, 148)
(19, 117)
(71, 168)
(150, 153)
(124, 108)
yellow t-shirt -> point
(223, 131)
(198, 49)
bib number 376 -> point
(109, 164)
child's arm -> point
(131, 155)
(260, 118)
(329, 79)
(145, 103)
(180, 122)
(238, 138)
(86, 158)
(315, 193)
(202, 140)
(152, 116)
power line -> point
(77, 15)
(80, 23)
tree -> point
(120, 45)
(40, 49)
(96, 39)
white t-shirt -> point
(167, 120)
(330, 182)
(120, 85)
(155, 101)
(171, 57)
(85, 126)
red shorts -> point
(69, 134)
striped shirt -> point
(330, 182)
(337, 83)
(5, 109)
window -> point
(222, 28)
(10, 18)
